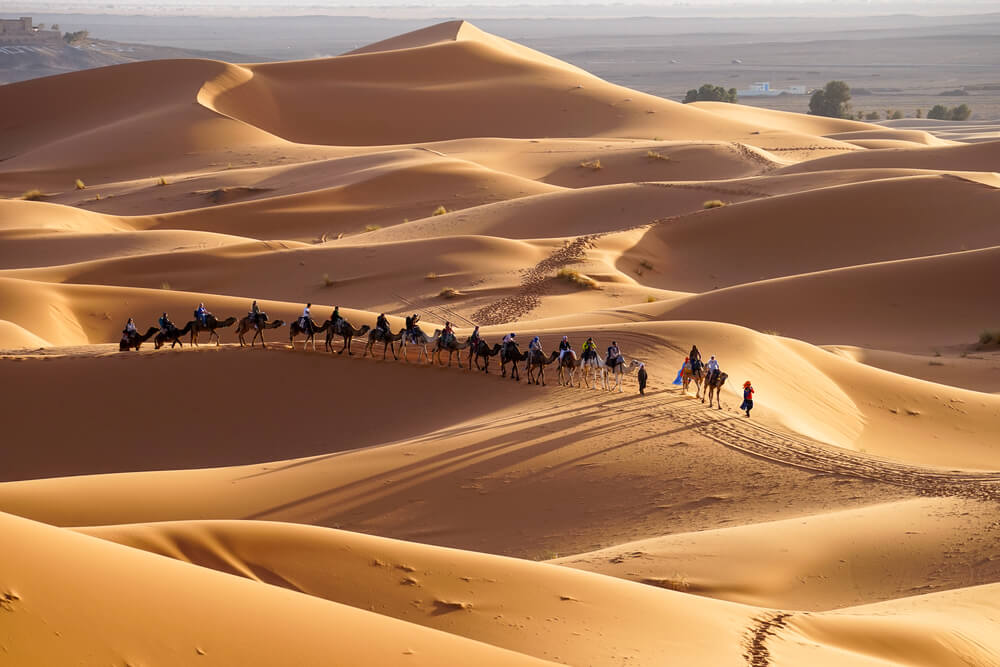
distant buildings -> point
(763, 89)
(22, 32)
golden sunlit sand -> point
(235, 505)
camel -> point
(594, 363)
(246, 324)
(713, 383)
(295, 328)
(482, 351)
(570, 364)
(451, 344)
(510, 354)
(343, 328)
(537, 363)
(135, 339)
(172, 336)
(687, 375)
(418, 337)
(386, 338)
(619, 371)
(211, 325)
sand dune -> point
(134, 600)
(457, 175)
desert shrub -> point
(713, 203)
(986, 337)
(440, 210)
(327, 280)
(80, 185)
(832, 100)
(644, 263)
(372, 228)
(449, 293)
(164, 285)
(872, 115)
(941, 112)
(161, 181)
(920, 113)
(650, 299)
(953, 93)
(33, 195)
(654, 155)
(431, 276)
(710, 93)
(591, 164)
(578, 279)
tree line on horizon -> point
(833, 101)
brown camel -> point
(687, 375)
(510, 354)
(419, 338)
(211, 326)
(387, 339)
(246, 325)
(134, 340)
(451, 344)
(713, 383)
(172, 336)
(570, 364)
(482, 351)
(343, 328)
(536, 365)
(295, 329)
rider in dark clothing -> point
(165, 324)
(335, 318)
(474, 338)
(614, 354)
(382, 323)
(448, 333)
(254, 313)
(695, 356)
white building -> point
(763, 89)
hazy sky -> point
(526, 7)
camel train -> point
(590, 369)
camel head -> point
(228, 322)
(364, 329)
(552, 357)
(275, 324)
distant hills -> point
(19, 62)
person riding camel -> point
(305, 320)
(201, 314)
(711, 370)
(411, 326)
(165, 324)
(533, 346)
(474, 338)
(565, 347)
(447, 334)
(335, 318)
(614, 355)
(589, 349)
(129, 329)
(382, 323)
(695, 356)
(254, 314)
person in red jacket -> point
(747, 397)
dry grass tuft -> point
(654, 155)
(440, 210)
(650, 299)
(431, 276)
(987, 337)
(714, 203)
(164, 285)
(449, 293)
(372, 228)
(33, 195)
(591, 164)
(327, 280)
(80, 185)
(578, 279)
(161, 181)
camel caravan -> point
(589, 368)
(707, 376)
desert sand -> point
(242, 505)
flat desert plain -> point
(313, 505)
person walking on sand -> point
(747, 398)
(642, 379)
